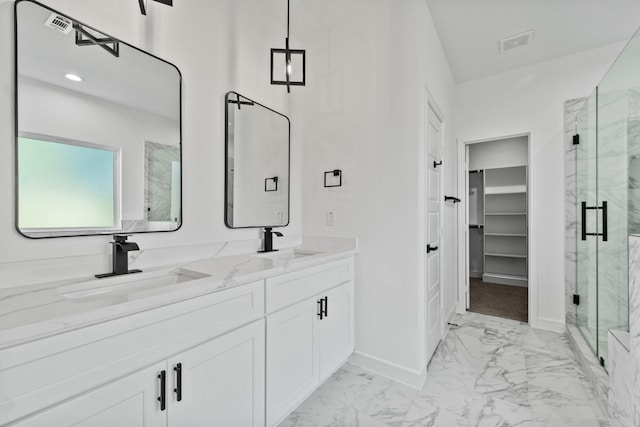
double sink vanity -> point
(237, 340)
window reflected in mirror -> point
(67, 185)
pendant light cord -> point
(287, 18)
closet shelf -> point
(505, 213)
(507, 189)
(502, 204)
(505, 255)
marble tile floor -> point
(487, 372)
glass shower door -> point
(615, 105)
(586, 246)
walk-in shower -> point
(607, 147)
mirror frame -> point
(77, 232)
(226, 163)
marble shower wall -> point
(571, 109)
(621, 380)
(612, 182)
(634, 320)
(160, 162)
(634, 162)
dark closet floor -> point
(510, 302)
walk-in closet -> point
(498, 227)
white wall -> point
(218, 46)
(499, 154)
(365, 114)
(531, 99)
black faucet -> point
(121, 248)
(267, 242)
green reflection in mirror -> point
(66, 185)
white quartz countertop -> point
(41, 310)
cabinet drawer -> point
(43, 372)
(287, 289)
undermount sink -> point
(128, 286)
(288, 255)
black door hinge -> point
(576, 299)
(576, 139)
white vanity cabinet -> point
(335, 331)
(305, 345)
(244, 356)
(220, 381)
(111, 369)
(129, 401)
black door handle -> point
(163, 397)
(605, 220)
(584, 220)
(178, 389)
(605, 235)
(320, 308)
(431, 248)
(326, 306)
(436, 164)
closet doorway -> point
(498, 223)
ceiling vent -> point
(518, 40)
(59, 22)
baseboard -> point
(413, 379)
(551, 325)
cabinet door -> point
(292, 358)
(222, 381)
(336, 329)
(131, 401)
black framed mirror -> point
(257, 164)
(98, 131)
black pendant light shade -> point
(288, 66)
(143, 4)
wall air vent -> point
(59, 22)
(518, 40)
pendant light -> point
(288, 65)
(143, 4)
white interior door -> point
(433, 185)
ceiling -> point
(470, 30)
(135, 78)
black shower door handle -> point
(605, 220)
(583, 221)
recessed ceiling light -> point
(73, 77)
